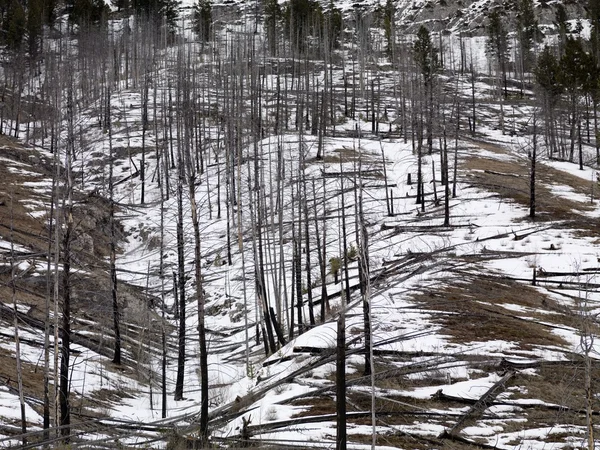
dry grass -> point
(405, 441)
(32, 374)
(346, 155)
(511, 180)
(316, 406)
(26, 230)
(560, 385)
(472, 312)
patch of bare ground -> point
(16, 222)
(33, 376)
(404, 440)
(315, 406)
(471, 311)
(510, 179)
(346, 154)
(562, 385)
(399, 409)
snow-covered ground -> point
(410, 253)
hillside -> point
(302, 169)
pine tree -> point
(302, 17)
(497, 43)
(547, 74)
(49, 12)
(389, 11)
(425, 55)
(272, 17)
(15, 25)
(576, 68)
(562, 25)
(528, 31)
(158, 11)
(547, 78)
(121, 4)
(426, 58)
(593, 12)
(169, 9)
(333, 25)
(88, 12)
(34, 26)
(202, 19)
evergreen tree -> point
(426, 58)
(272, 18)
(547, 77)
(4, 7)
(333, 25)
(425, 55)
(88, 12)
(202, 19)
(169, 9)
(34, 26)
(389, 11)
(301, 18)
(528, 31)
(562, 25)
(497, 43)
(158, 11)
(49, 12)
(576, 68)
(121, 4)
(15, 25)
(593, 12)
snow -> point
(483, 223)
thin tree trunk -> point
(532, 203)
(340, 379)
(113, 246)
(65, 409)
(201, 324)
(53, 233)
(13, 277)
(447, 184)
(181, 282)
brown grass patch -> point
(26, 230)
(316, 406)
(472, 312)
(33, 376)
(510, 179)
(561, 385)
(405, 441)
(347, 154)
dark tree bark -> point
(201, 321)
(181, 283)
(65, 410)
(113, 245)
(340, 381)
(532, 203)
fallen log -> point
(479, 406)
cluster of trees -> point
(203, 112)
(569, 74)
(305, 24)
(565, 74)
(22, 22)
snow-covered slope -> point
(455, 318)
